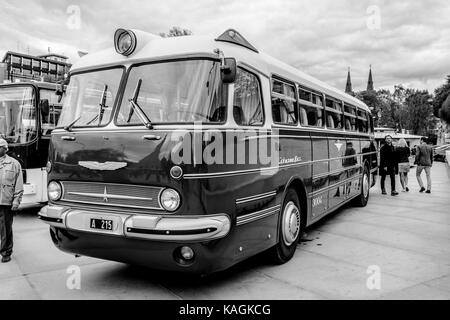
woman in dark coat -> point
(388, 164)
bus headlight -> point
(125, 42)
(54, 191)
(170, 199)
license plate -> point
(102, 224)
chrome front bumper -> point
(148, 226)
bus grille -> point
(109, 194)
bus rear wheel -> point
(290, 229)
(363, 198)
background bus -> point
(29, 111)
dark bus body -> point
(117, 191)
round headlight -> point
(125, 42)
(54, 191)
(170, 199)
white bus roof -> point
(151, 48)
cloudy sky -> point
(406, 42)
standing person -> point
(424, 160)
(403, 154)
(388, 164)
(11, 183)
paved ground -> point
(406, 239)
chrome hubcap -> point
(365, 186)
(290, 223)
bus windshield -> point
(90, 98)
(17, 114)
(174, 92)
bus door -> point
(338, 174)
(320, 179)
(352, 162)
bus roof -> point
(154, 48)
(40, 85)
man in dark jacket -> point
(424, 161)
(388, 164)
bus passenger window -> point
(350, 117)
(363, 121)
(284, 104)
(334, 114)
(310, 116)
(247, 105)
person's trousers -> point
(419, 178)
(391, 174)
(6, 232)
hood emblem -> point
(105, 196)
(105, 166)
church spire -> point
(348, 86)
(370, 81)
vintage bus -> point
(29, 112)
(192, 154)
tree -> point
(440, 95)
(419, 111)
(176, 32)
(445, 110)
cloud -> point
(321, 37)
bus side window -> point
(284, 103)
(247, 105)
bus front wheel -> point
(290, 229)
(363, 198)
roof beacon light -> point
(232, 36)
(125, 42)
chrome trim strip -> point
(108, 196)
(260, 170)
(257, 215)
(315, 193)
(322, 175)
(112, 205)
(256, 197)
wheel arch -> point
(297, 184)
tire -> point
(290, 229)
(363, 198)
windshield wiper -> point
(102, 105)
(70, 126)
(136, 108)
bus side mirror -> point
(228, 70)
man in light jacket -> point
(11, 191)
(424, 161)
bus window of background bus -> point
(334, 114)
(247, 105)
(49, 120)
(349, 117)
(84, 97)
(284, 103)
(175, 92)
(311, 108)
(17, 114)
